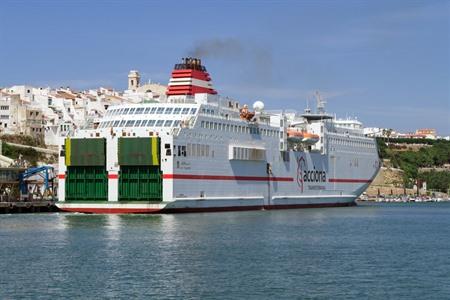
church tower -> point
(133, 80)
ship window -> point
(159, 123)
(130, 123)
(121, 111)
(228, 127)
(144, 122)
(122, 123)
(132, 111)
(146, 110)
(177, 110)
(215, 126)
(116, 123)
(151, 122)
(188, 149)
(176, 123)
(168, 110)
(193, 110)
(140, 110)
(202, 124)
(126, 111)
(202, 150)
(138, 123)
(160, 110)
(185, 110)
(168, 123)
(153, 110)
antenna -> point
(307, 109)
(320, 103)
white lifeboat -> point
(302, 136)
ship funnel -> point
(189, 78)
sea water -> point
(398, 251)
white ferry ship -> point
(197, 151)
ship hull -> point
(215, 205)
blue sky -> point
(386, 62)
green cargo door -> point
(140, 183)
(139, 151)
(85, 152)
(86, 183)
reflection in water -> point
(316, 253)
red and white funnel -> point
(190, 78)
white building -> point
(52, 114)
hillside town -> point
(49, 114)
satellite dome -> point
(258, 106)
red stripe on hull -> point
(61, 176)
(318, 205)
(113, 176)
(203, 209)
(112, 210)
(223, 177)
(344, 180)
(209, 209)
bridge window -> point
(159, 123)
(160, 110)
(122, 123)
(177, 110)
(185, 111)
(193, 110)
(138, 123)
(151, 122)
(168, 123)
(132, 111)
(168, 110)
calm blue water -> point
(376, 251)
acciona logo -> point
(301, 166)
(305, 175)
